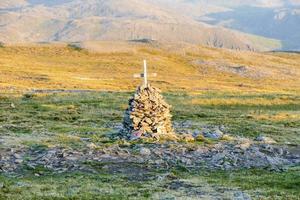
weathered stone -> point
(205, 131)
(279, 151)
(17, 156)
(145, 151)
(85, 139)
(218, 132)
(239, 195)
(264, 139)
(148, 115)
(196, 133)
(215, 134)
(18, 161)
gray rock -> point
(214, 135)
(239, 195)
(145, 151)
(279, 151)
(18, 161)
(218, 132)
(264, 139)
(211, 134)
(267, 148)
(73, 158)
(17, 156)
(196, 133)
(222, 128)
(85, 139)
(205, 131)
(218, 159)
(159, 162)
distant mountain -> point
(163, 20)
(277, 19)
(281, 23)
(8, 4)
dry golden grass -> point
(102, 66)
(243, 102)
(277, 117)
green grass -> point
(78, 114)
(239, 118)
(260, 184)
(72, 186)
(283, 185)
(39, 121)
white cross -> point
(145, 74)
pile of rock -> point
(148, 115)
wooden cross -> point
(145, 74)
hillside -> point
(110, 66)
(277, 19)
(280, 23)
(72, 21)
(235, 117)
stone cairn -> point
(148, 115)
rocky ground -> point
(217, 152)
(225, 156)
(51, 149)
(141, 161)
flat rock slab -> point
(223, 155)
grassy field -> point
(277, 116)
(259, 183)
(264, 99)
(60, 120)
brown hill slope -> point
(5, 4)
(117, 20)
(111, 65)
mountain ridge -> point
(72, 21)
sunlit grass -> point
(200, 95)
(61, 67)
(244, 102)
(275, 115)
